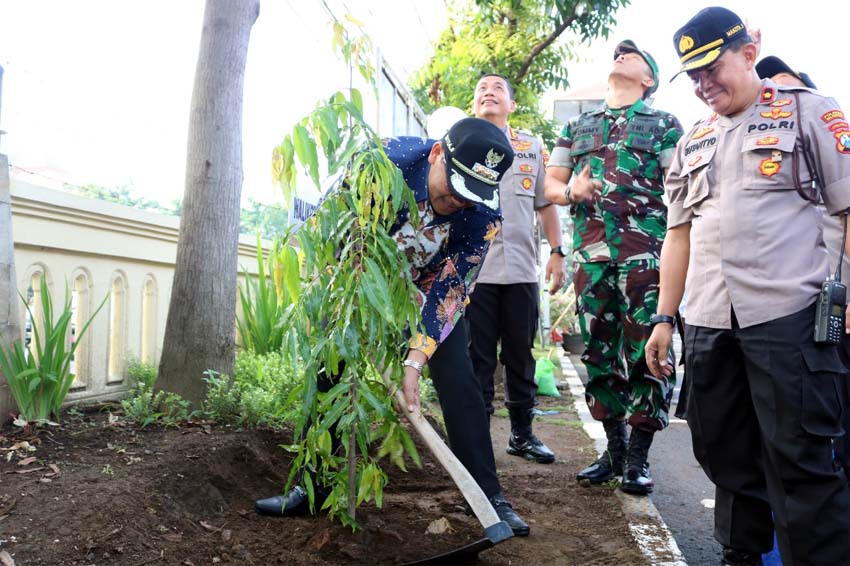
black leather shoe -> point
(530, 448)
(606, 468)
(506, 513)
(733, 557)
(292, 504)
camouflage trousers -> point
(614, 303)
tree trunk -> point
(199, 331)
(10, 326)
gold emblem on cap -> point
(685, 43)
(492, 159)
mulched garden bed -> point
(98, 491)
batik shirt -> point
(445, 252)
(626, 221)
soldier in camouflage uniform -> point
(621, 151)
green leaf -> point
(305, 148)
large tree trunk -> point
(199, 332)
(10, 326)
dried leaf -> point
(20, 422)
(27, 461)
(28, 471)
(55, 469)
(209, 527)
(320, 540)
(173, 537)
(22, 445)
(439, 526)
(112, 418)
(5, 559)
(226, 535)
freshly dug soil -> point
(95, 492)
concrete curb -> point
(654, 539)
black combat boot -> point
(610, 463)
(733, 557)
(636, 478)
(522, 441)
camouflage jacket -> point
(627, 221)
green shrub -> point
(39, 381)
(222, 402)
(260, 392)
(142, 372)
(145, 407)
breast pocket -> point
(583, 146)
(640, 158)
(695, 170)
(768, 161)
(525, 172)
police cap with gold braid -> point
(702, 40)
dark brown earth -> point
(98, 493)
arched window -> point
(33, 317)
(149, 320)
(80, 312)
(117, 328)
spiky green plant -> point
(39, 381)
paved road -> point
(682, 493)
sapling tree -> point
(349, 300)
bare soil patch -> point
(110, 494)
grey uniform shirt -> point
(513, 253)
(756, 245)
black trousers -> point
(506, 314)
(763, 411)
(462, 402)
(463, 408)
(842, 445)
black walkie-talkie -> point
(829, 314)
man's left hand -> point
(556, 273)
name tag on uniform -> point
(585, 144)
(646, 125)
(641, 142)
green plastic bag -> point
(544, 375)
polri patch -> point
(781, 102)
(521, 145)
(525, 167)
(831, 115)
(526, 183)
(843, 145)
(839, 126)
(767, 94)
(776, 114)
(769, 168)
(702, 132)
(767, 140)
(694, 160)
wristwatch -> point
(414, 364)
(659, 318)
(557, 250)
